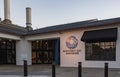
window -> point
(7, 51)
(101, 51)
(43, 51)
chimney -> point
(7, 12)
(28, 18)
(0, 19)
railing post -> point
(79, 69)
(53, 70)
(25, 68)
(106, 70)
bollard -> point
(25, 68)
(106, 70)
(79, 69)
(53, 70)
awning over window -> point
(100, 35)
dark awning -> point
(100, 35)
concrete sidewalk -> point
(22, 76)
(46, 71)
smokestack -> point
(7, 9)
(7, 12)
(0, 19)
(28, 18)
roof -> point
(12, 29)
(18, 30)
(76, 25)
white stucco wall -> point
(67, 60)
(71, 60)
(9, 36)
(23, 47)
(112, 64)
(43, 36)
(23, 51)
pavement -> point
(46, 71)
(21, 76)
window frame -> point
(99, 55)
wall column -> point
(23, 52)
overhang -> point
(100, 35)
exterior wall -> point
(25, 45)
(112, 64)
(71, 60)
(23, 51)
(23, 48)
(9, 36)
(43, 36)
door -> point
(45, 52)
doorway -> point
(45, 51)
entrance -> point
(7, 52)
(45, 51)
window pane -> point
(101, 51)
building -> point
(92, 42)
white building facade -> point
(66, 44)
(71, 57)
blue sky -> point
(54, 12)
